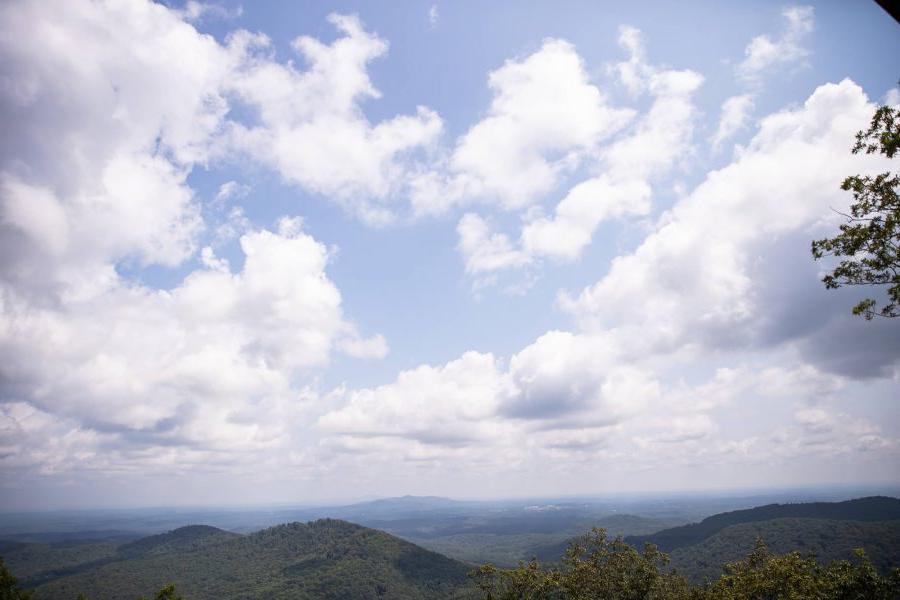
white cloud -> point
(445, 405)
(569, 231)
(693, 279)
(307, 124)
(763, 53)
(106, 133)
(892, 97)
(34, 439)
(373, 347)
(825, 432)
(564, 378)
(735, 116)
(311, 127)
(544, 116)
(611, 393)
(633, 73)
(231, 190)
(433, 16)
(661, 137)
(196, 11)
(209, 363)
(486, 251)
(678, 429)
(112, 105)
(804, 381)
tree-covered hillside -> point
(874, 508)
(597, 567)
(825, 539)
(335, 559)
(323, 559)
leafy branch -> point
(869, 242)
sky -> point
(307, 252)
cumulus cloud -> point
(486, 251)
(104, 140)
(208, 362)
(544, 117)
(357, 347)
(31, 439)
(660, 138)
(231, 190)
(311, 126)
(308, 123)
(610, 391)
(735, 115)
(764, 53)
(196, 11)
(109, 121)
(695, 275)
(634, 73)
(820, 431)
(447, 405)
(626, 168)
(571, 228)
(218, 369)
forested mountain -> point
(826, 539)
(826, 530)
(322, 559)
(874, 508)
(332, 558)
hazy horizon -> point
(287, 252)
(829, 492)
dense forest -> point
(827, 540)
(875, 508)
(323, 559)
(757, 553)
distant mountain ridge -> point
(873, 508)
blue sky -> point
(290, 252)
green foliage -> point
(326, 559)
(828, 540)
(166, 593)
(603, 568)
(35, 563)
(593, 567)
(9, 588)
(873, 508)
(793, 577)
(331, 559)
(190, 537)
(870, 239)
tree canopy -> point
(869, 242)
(599, 567)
